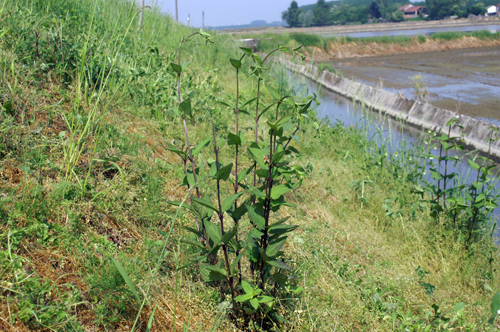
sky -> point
(227, 12)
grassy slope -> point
(59, 232)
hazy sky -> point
(227, 12)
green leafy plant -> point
(261, 199)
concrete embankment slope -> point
(477, 133)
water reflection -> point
(385, 131)
(428, 31)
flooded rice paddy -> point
(413, 32)
(464, 80)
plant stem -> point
(221, 218)
(256, 131)
(446, 170)
(202, 231)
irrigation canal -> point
(393, 134)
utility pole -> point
(140, 14)
(176, 12)
(189, 18)
(203, 20)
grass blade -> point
(127, 279)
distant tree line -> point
(363, 11)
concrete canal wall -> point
(477, 133)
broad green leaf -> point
(254, 303)
(258, 155)
(458, 307)
(189, 229)
(473, 164)
(182, 154)
(265, 110)
(199, 208)
(243, 298)
(228, 236)
(8, 108)
(205, 203)
(452, 121)
(127, 279)
(200, 146)
(305, 107)
(279, 222)
(204, 34)
(189, 178)
(211, 273)
(235, 63)
(213, 231)
(277, 157)
(279, 265)
(224, 172)
(228, 104)
(274, 247)
(436, 175)
(247, 287)
(243, 175)
(280, 278)
(282, 229)
(257, 59)
(265, 299)
(239, 212)
(280, 190)
(256, 215)
(249, 102)
(252, 245)
(272, 90)
(297, 289)
(233, 139)
(285, 50)
(262, 173)
(282, 121)
(248, 51)
(176, 67)
(257, 192)
(228, 202)
(495, 308)
(185, 106)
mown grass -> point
(70, 68)
(293, 39)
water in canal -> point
(396, 136)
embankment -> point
(359, 49)
(345, 29)
(476, 133)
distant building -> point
(492, 10)
(411, 11)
